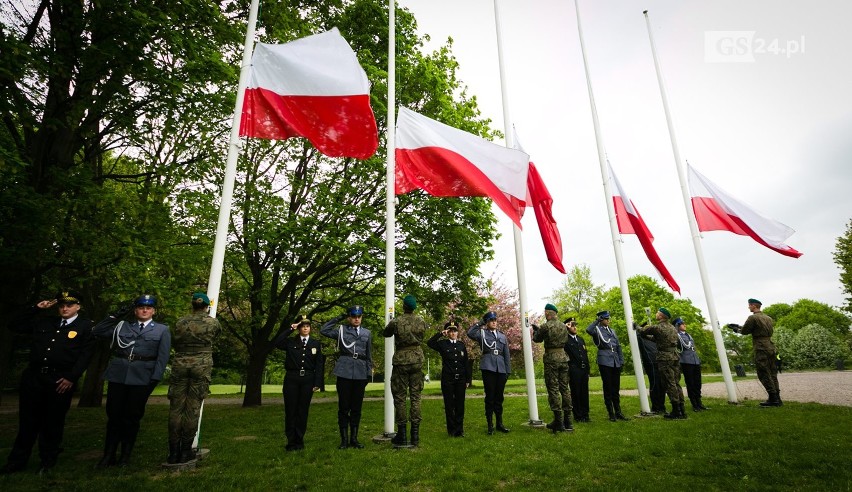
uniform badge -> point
(72, 334)
(313, 350)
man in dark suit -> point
(59, 353)
(578, 371)
(454, 375)
(304, 363)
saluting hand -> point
(63, 385)
(46, 303)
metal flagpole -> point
(390, 226)
(693, 229)
(613, 228)
(214, 282)
(529, 370)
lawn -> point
(731, 447)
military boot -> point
(415, 433)
(770, 402)
(700, 404)
(675, 413)
(566, 423)
(682, 413)
(353, 438)
(126, 451)
(110, 447)
(399, 438)
(695, 407)
(174, 451)
(344, 437)
(187, 452)
(500, 427)
(617, 406)
(490, 425)
(778, 401)
(610, 411)
(557, 425)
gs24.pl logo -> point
(744, 46)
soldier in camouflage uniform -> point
(760, 327)
(668, 360)
(556, 378)
(190, 378)
(408, 331)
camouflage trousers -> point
(669, 371)
(556, 379)
(407, 381)
(189, 384)
(767, 370)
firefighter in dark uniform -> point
(304, 366)
(59, 353)
(578, 372)
(454, 376)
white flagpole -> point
(613, 228)
(390, 225)
(529, 369)
(214, 282)
(221, 242)
(693, 228)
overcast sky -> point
(774, 132)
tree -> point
(813, 347)
(805, 312)
(843, 259)
(578, 294)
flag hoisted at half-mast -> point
(314, 88)
(630, 222)
(445, 161)
(716, 210)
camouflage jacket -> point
(760, 327)
(665, 336)
(409, 331)
(554, 335)
(195, 334)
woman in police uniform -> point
(454, 359)
(140, 352)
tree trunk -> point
(254, 377)
(92, 391)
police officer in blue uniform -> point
(454, 358)
(140, 352)
(610, 363)
(304, 376)
(353, 368)
(495, 366)
(578, 372)
(690, 366)
(59, 353)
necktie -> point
(141, 325)
(304, 342)
(63, 324)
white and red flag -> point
(314, 88)
(445, 161)
(715, 210)
(630, 222)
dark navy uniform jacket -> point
(453, 357)
(301, 360)
(687, 344)
(60, 352)
(578, 356)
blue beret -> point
(409, 302)
(355, 310)
(603, 315)
(550, 307)
(678, 321)
(145, 300)
(666, 312)
(755, 301)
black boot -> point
(770, 402)
(500, 427)
(675, 413)
(610, 411)
(187, 453)
(682, 415)
(700, 404)
(344, 437)
(399, 438)
(778, 401)
(415, 433)
(566, 423)
(174, 452)
(490, 425)
(558, 425)
(353, 438)
(695, 406)
(126, 451)
(110, 447)
(618, 414)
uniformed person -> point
(189, 382)
(304, 365)
(554, 335)
(454, 377)
(59, 353)
(408, 331)
(610, 363)
(353, 368)
(140, 352)
(760, 327)
(690, 366)
(578, 372)
(495, 366)
(648, 353)
(668, 360)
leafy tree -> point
(739, 348)
(805, 312)
(813, 347)
(843, 259)
(578, 294)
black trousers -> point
(656, 390)
(125, 407)
(692, 378)
(298, 392)
(494, 383)
(611, 379)
(41, 416)
(350, 398)
(454, 391)
(578, 382)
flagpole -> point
(529, 369)
(613, 228)
(214, 282)
(234, 145)
(693, 228)
(390, 224)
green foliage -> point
(578, 295)
(805, 312)
(811, 347)
(843, 259)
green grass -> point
(744, 447)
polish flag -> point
(715, 210)
(313, 88)
(630, 222)
(538, 197)
(445, 161)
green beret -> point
(755, 301)
(550, 307)
(666, 312)
(203, 298)
(409, 302)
